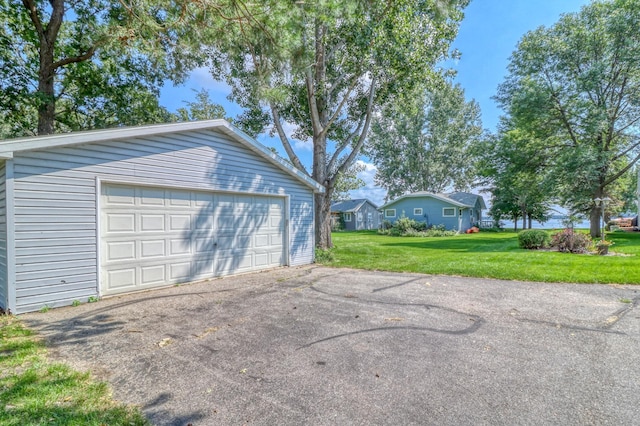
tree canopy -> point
(576, 87)
(428, 148)
(324, 68)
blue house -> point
(357, 215)
(456, 211)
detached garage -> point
(99, 213)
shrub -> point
(568, 241)
(533, 239)
(405, 227)
(324, 256)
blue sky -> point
(488, 35)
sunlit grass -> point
(34, 391)
(486, 255)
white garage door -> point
(152, 237)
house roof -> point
(350, 205)
(10, 146)
(458, 199)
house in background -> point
(357, 215)
(456, 211)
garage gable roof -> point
(10, 146)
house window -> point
(347, 217)
(448, 212)
(417, 212)
(359, 216)
(390, 213)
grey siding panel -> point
(4, 291)
(55, 199)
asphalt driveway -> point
(324, 346)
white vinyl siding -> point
(390, 213)
(417, 212)
(56, 209)
(347, 217)
(4, 291)
(448, 212)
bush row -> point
(405, 227)
(567, 240)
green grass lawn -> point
(34, 391)
(487, 255)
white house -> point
(104, 212)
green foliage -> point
(533, 239)
(573, 87)
(326, 68)
(347, 181)
(76, 303)
(406, 227)
(570, 241)
(324, 256)
(203, 108)
(92, 299)
(94, 71)
(512, 164)
(427, 148)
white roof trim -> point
(422, 195)
(11, 146)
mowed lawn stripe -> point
(486, 255)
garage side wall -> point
(56, 207)
(3, 237)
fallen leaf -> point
(164, 342)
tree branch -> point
(621, 172)
(80, 58)
(363, 135)
(33, 14)
(285, 140)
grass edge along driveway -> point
(35, 391)
(485, 255)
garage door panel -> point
(122, 278)
(179, 271)
(179, 246)
(152, 248)
(179, 222)
(155, 274)
(152, 197)
(121, 222)
(121, 195)
(121, 250)
(151, 222)
(155, 236)
(179, 198)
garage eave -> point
(11, 146)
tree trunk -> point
(47, 108)
(323, 220)
(530, 221)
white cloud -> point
(201, 77)
(374, 193)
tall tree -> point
(513, 165)
(326, 68)
(428, 148)
(203, 108)
(575, 86)
(68, 65)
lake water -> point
(550, 224)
